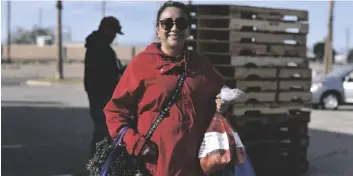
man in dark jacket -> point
(102, 73)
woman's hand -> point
(222, 105)
(150, 152)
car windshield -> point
(341, 71)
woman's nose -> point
(174, 27)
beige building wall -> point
(50, 53)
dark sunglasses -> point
(181, 24)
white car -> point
(334, 89)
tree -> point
(319, 51)
(29, 36)
(350, 56)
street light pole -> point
(328, 43)
(103, 8)
(9, 31)
(59, 39)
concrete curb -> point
(48, 83)
(38, 83)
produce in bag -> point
(221, 144)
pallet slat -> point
(246, 25)
(236, 36)
(248, 49)
(269, 26)
(269, 61)
(256, 97)
(256, 61)
(295, 96)
(247, 73)
(236, 11)
(263, 109)
(252, 86)
(239, 121)
(267, 50)
(247, 37)
(290, 85)
(296, 73)
(269, 85)
(267, 13)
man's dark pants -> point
(100, 131)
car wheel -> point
(330, 101)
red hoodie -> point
(145, 86)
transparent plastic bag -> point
(229, 94)
(221, 144)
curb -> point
(38, 83)
(45, 83)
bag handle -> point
(113, 153)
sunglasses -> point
(181, 24)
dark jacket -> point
(102, 67)
(143, 90)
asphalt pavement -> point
(45, 130)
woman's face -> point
(173, 28)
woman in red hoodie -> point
(148, 82)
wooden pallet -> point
(268, 159)
(245, 25)
(291, 132)
(256, 97)
(269, 109)
(210, 10)
(239, 121)
(268, 38)
(247, 73)
(269, 85)
(248, 49)
(256, 61)
(272, 14)
(248, 12)
(211, 23)
(266, 50)
(294, 97)
(294, 85)
(268, 26)
(260, 73)
(295, 73)
(248, 61)
(247, 37)
(252, 86)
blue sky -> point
(138, 18)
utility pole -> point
(328, 43)
(9, 31)
(59, 39)
(40, 17)
(103, 8)
(347, 39)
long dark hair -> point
(179, 5)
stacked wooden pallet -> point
(262, 53)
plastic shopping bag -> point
(219, 147)
(244, 169)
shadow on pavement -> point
(44, 141)
(330, 153)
